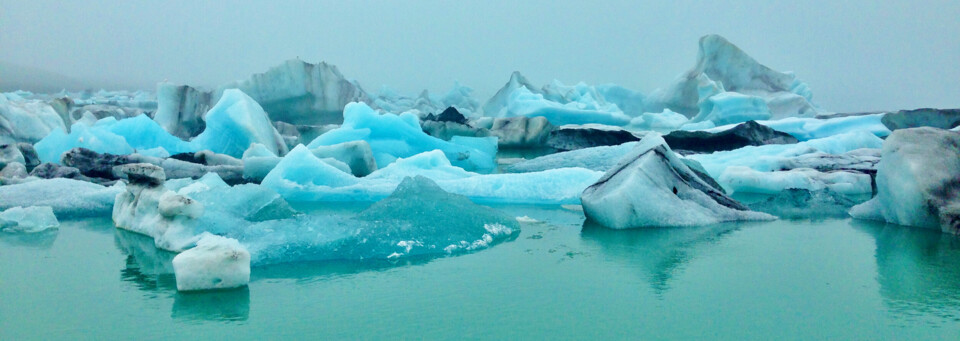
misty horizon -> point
(891, 58)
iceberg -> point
(651, 186)
(731, 70)
(806, 128)
(917, 181)
(215, 263)
(67, 197)
(231, 126)
(236, 122)
(30, 219)
(771, 157)
(396, 136)
(664, 121)
(742, 179)
(300, 93)
(180, 109)
(583, 110)
(417, 219)
(23, 120)
(301, 176)
(597, 158)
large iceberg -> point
(918, 181)
(395, 136)
(298, 92)
(651, 186)
(724, 67)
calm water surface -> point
(561, 279)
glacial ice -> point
(769, 158)
(298, 92)
(215, 263)
(236, 122)
(664, 121)
(417, 219)
(651, 186)
(395, 136)
(745, 180)
(582, 110)
(30, 219)
(180, 109)
(731, 70)
(25, 120)
(597, 158)
(917, 181)
(67, 197)
(231, 126)
(806, 128)
(300, 176)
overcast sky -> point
(855, 55)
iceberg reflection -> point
(657, 253)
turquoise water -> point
(832, 279)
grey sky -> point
(855, 55)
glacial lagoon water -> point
(560, 279)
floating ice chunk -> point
(300, 172)
(731, 108)
(586, 109)
(111, 136)
(496, 104)
(298, 92)
(917, 181)
(597, 158)
(770, 157)
(745, 180)
(26, 120)
(29, 220)
(10, 153)
(395, 136)
(215, 263)
(521, 131)
(417, 219)
(356, 154)
(236, 122)
(180, 109)
(663, 121)
(67, 197)
(651, 186)
(807, 128)
(299, 178)
(722, 63)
